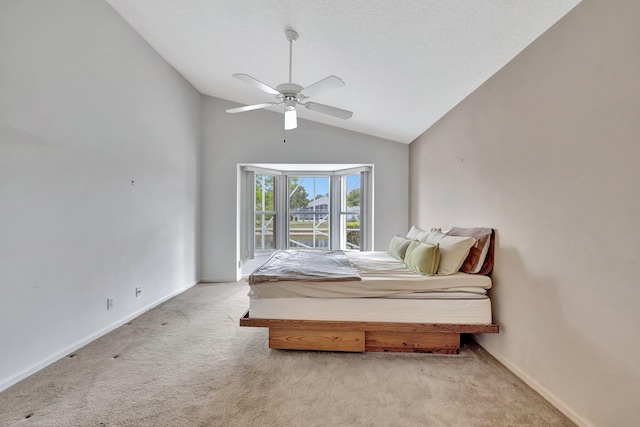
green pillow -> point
(423, 258)
(398, 247)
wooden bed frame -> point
(365, 336)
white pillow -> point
(453, 251)
(417, 233)
(414, 233)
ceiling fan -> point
(291, 94)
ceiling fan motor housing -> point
(290, 92)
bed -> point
(368, 301)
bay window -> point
(305, 207)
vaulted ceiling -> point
(405, 63)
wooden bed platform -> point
(365, 336)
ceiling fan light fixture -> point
(290, 117)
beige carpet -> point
(188, 363)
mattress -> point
(388, 292)
(382, 277)
(407, 310)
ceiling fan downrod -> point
(292, 36)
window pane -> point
(352, 233)
(264, 200)
(311, 231)
(265, 218)
(353, 193)
(309, 207)
(265, 227)
(309, 193)
(350, 217)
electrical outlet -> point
(109, 303)
(138, 291)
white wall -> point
(87, 107)
(547, 152)
(257, 137)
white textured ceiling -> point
(405, 63)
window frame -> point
(282, 211)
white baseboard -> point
(8, 382)
(542, 391)
(218, 280)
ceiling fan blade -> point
(251, 107)
(331, 111)
(331, 82)
(257, 83)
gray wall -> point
(86, 108)
(257, 137)
(547, 152)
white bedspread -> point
(305, 265)
(382, 276)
